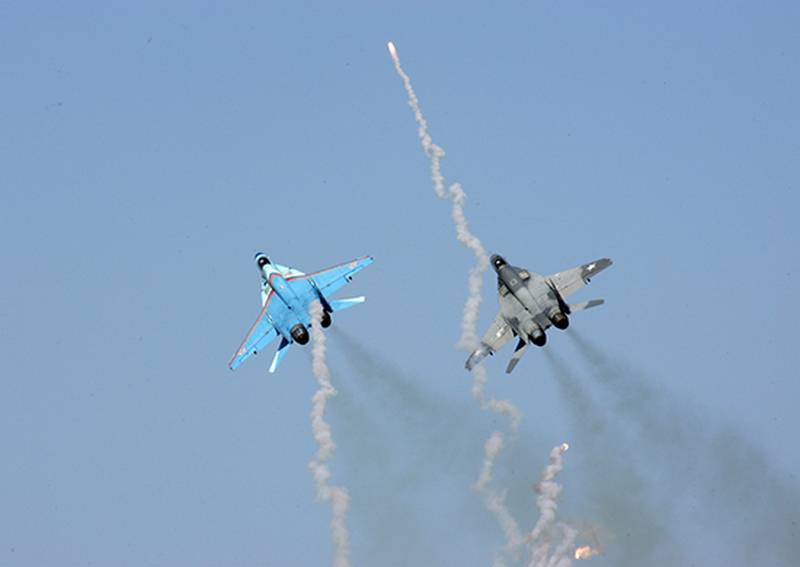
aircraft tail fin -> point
(586, 305)
(518, 352)
(283, 348)
(342, 304)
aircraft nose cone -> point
(261, 259)
(497, 261)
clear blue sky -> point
(149, 150)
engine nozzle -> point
(559, 320)
(300, 334)
(538, 337)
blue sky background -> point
(148, 151)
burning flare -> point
(586, 552)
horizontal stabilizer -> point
(479, 354)
(342, 304)
(586, 305)
(283, 348)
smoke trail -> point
(495, 501)
(492, 448)
(434, 152)
(500, 407)
(563, 554)
(400, 453)
(541, 537)
(732, 479)
(549, 491)
(456, 194)
(469, 335)
(337, 496)
(616, 492)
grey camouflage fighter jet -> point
(530, 304)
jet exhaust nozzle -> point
(300, 334)
(538, 337)
(326, 320)
(559, 320)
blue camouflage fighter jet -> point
(286, 294)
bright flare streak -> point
(392, 49)
(565, 447)
(585, 552)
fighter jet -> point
(530, 304)
(286, 294)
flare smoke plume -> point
(338, 497)
(616, 496)
(456, 194)
(495, 500)
(434, 152)
(469, 336)
(548, 490)
(542, 535)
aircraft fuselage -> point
(295, 319)
(529, 291)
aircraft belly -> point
(283, 318)
(542, 320)
(524, 317)
(542, 304)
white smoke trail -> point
(548, 489)
(336, 495)
(541, 539)
(492, 448)
(564, 553)
(434, 152)
(502, 407)
(495, 502)
(456, 194)
(469, 322)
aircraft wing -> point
(260, 335)
(570, 281)
(497, 335)
(329, 280)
